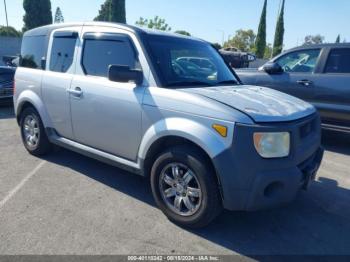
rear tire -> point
(33, 133)
(185, 187)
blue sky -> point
(207, 19)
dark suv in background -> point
(7, 74)
(319, 74)
(236, 58)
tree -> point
(58, 16)
(155, 23)
(182, 32)
(243, 40)
(313, 39)
(337, 41)
(9, 31)
(37, 13)
(279, 35)
(112, 11)
(260, 43)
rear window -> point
(339, 61)
(33, 50)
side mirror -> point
(272, 68)
(121, 73)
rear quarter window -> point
(33, 50)
(338, 61)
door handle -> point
(77, 92)
(305, 82)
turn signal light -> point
(222, 130)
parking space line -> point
(21, 184)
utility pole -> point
(7, 21)
(223, 36)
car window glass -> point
(100, 54)
(33, 50)
(338, 61)
(62, 54)
(299, 62)
(187, 62)
(197, 65)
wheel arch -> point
(166, 142)
(30, 99)
(175, 132)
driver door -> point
(106, 115)
(298, 76)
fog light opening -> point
(273, 189)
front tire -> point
(33, 133)
(185, 188)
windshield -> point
(188, 62)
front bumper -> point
(250, 182)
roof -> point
(333, 45)
(46, 30)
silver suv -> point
(124, 96)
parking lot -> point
(69, 204)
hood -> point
(260, 103)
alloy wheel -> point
(180, 189)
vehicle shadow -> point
(316, 223)
(338, 142)
(6, 111)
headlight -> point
(272, 145)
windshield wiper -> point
(188, 83)
(226, 82)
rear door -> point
(332, 87)
(57, 79)
(298, 75)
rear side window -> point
(33, 51)
(100, 54)
(338, 61)
(62, 53)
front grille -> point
(5, 92)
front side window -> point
(187, 62)
(33, 51)
(339, 61)
(300, 61)
(62, 54)
(99, 54)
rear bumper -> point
(249, 182)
